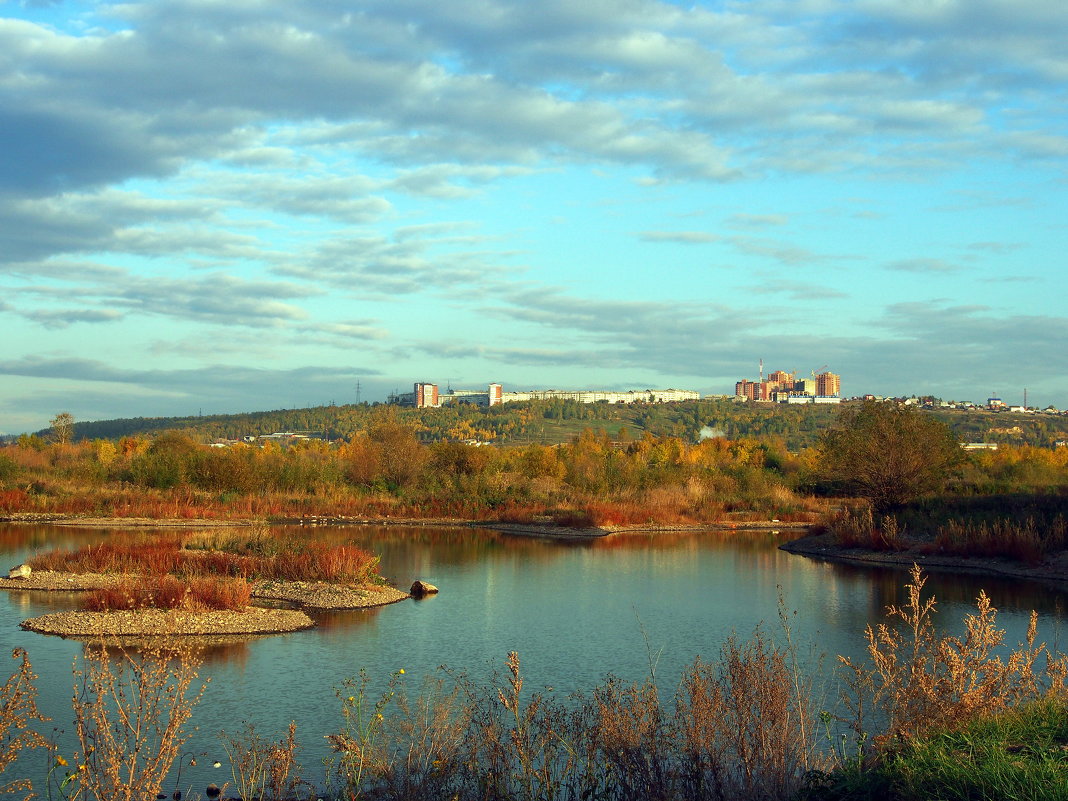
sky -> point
(214, 207)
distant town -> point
(778, 386)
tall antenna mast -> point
(1025, 397)
(357, 392)
(761, 371)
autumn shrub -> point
(14, 500)
(8, 468)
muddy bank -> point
(823, 546)
(536, 528)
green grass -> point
(1020, 754)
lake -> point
(575, 611)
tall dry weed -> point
(745, 724)
(423, 744)
(130, 710)
(18, 712)
(917, 680)
(263, 768)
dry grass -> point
(858, 528)
(170, 592)
(18, 710)
(130, 711)
(287, 558)
(739, 730)
(1024, 541)
(266, 769)
(918, 680)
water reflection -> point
(574, 610)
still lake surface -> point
(575, 611)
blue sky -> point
(253, 204)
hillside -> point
(551, 422)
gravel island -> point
(253, 620)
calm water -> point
(575, 612)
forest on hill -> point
(557, 421)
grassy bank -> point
(1026, 528)
(1021, 753)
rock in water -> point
(421, 589)
(22, 571)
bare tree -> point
(63, 427)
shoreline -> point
(822, 546)
(532, 529)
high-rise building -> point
(828, 384)
(781, 379)
(426, 395)
(753, 390)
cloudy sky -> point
(222, 206)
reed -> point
(1021, 540)
(286, 558)
(170, 592)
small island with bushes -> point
(237, 582)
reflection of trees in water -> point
(209, 650)
(887, 585)
(347, 619)
(23, 537)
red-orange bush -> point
(170, 592)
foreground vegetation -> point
(924, 716)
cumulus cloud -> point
(287, 168)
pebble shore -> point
(169, 623)
(315, 596)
